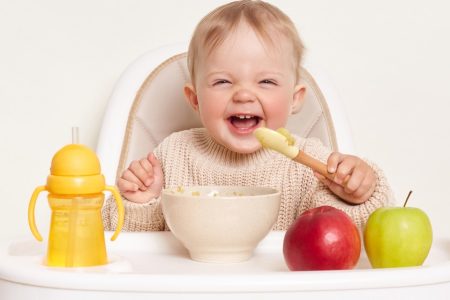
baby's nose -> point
(244, 95)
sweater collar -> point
(213, 152)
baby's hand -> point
(354, 179)
(142, 181)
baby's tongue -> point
(243, 123)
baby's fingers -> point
(355, 181)
(155, 164)
(359, 187)
(333, 161)
(334, 187)
(130, 176)
(126, 186)
(138, 168)
(344, 170)
(148, 168)
(158, 176)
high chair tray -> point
(155, 264)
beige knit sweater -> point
(192, 157)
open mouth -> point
(244, 123)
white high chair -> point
(148, 104)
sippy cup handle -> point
(120, 210)
(31, 206)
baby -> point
(244, 59)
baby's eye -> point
(268, 81)
(220, 81)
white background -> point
(389, 60)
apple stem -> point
(407, 198)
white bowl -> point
(220, 223)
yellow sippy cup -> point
(75, 194)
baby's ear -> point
(191, 96)
(298, 98)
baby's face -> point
(242, 85)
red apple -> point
(322, 238)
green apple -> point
(397, 237)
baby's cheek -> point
(276, 117)
(210, 112)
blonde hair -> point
(262, 17)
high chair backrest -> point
(148, 104)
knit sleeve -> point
(138, 217)
(321, 195)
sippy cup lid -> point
(75, 160)
(75, 169)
